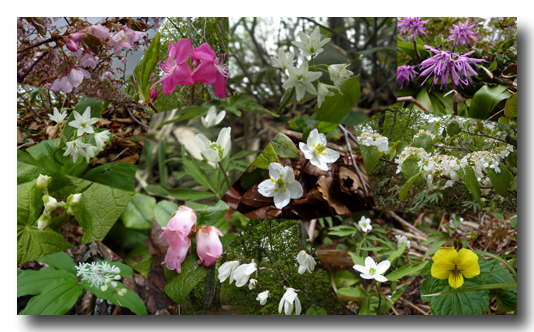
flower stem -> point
(416, 51)
(192, 94)
(58, 221)
(302, 169)
(379, 298)
(454, 100)
(285, 101)
(225, 175)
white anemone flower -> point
(373, 271)
(252, 284)
(307, 263)
(300, 78)
(311, 45)
(262, 297)
(339, 74)
(226, 270)
(212, 118)
(323, 90)
(365, 224)
(101, 139)
(284, 59)
(316, 151)
(58, 117)
(83, 122)
(287, 300)
(402, 239)
(75, 148)
(242, 273)
(215, 152)
(282, 185)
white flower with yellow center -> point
(282, 185)
(212, 118)
(373, 271)
(300, 78)
(311, 45)
(215, 151)
(316, 151)
(283, 60)
(365, 224)
(83, 122)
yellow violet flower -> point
(448, 263)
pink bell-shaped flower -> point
(209, 246)
(177, 251)
(182, 222)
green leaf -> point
(247, 105)
(209, 215)
(192, 168)
(491, 272)
(99, 209)
(140, 259)
(145, 68)
(131, 300)
(453, 128)
(354, 292)
(500, 181)
(397, 253)
(97, 108)
(406, 188)
(486, 99)
(29, 204)
(424, 99)
(163, 212)
(267, 156)
(60, 260)
(33, 243)
(357, 259)
(31, 282)
(434, 247)
(344, 278)
(406, 270)
(138, 214)
(43, 153)
(423, 142)
(284, 146)
(56, 299)
(410, 168)
(371, 157)
(181, 284)
(187, 194)
(316, 311)
(469, 178)
(354, 118)
(335, 108)
(342, 230)
(510, 109)
(118, 175)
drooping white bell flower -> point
(316, 151)
(284, 59)
(50, 203)
(300, 78)
(90, 152)
(75, 148)
(212, 118)
(43, 181)
(311, 45)
(262, 297)
(242, 273)
(252, 284)
(282, 185)
(83, 122)
(323, 90)
(57, 117)
(101, 139)
(365, 224)
(373, 271)
(339, 74)
(307, 263)
(287, 301)
(402, 239)
(215, 152)
(226, 270)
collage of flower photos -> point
(267, 166)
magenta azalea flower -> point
(210, 70)
(462, 34)
(405, 74)
(411, 26)
(175, 66)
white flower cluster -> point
(370, 139)
(481, 161)
(440, 165)
(410, 152)
(100, 275)
(301, 78)
(424, 133)
(83, 125)
(402, 239)
(502, 151)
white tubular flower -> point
(284, 59)
(83, 122)
(101, 139)
(262, 297)
(252, 284)
(43, 221)
(307, 263)
(373, 271)
(402, 239)
(43, 181)
(58, 117)
(282, 185)
(50, 203)
(365, 224)
(226, 270)
(287, 300)
(74, 200)
(215, 152)
(323, 90)
(339, 74)
(75, 148)
(300, 78)
(311, 45)
(90, 152)
(212, 118)
(242, 273)
(316, 151)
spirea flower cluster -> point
(100, 275)
(424, 133)
(410, 152)
(440, 165)
(374, 139)
(481, 161)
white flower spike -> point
(282, 185)
(311, 45)
(307, 263)
(365, 224)
(316, 151)
(58, 117)
(284, 59)
(373, 271)
(262, 297)
(226, 270)
(215, 152)
(300, 78)
(242, 273)
(287, 301)
(83, 122)
(212, 118)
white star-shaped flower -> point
(311, 45)
(212, 118)
(83, 122)
(215, 152)
(287, 301)
(75, 148)
(282, 185)
(90, 152)
(365, 224)
(373, 271)
(284, 59)
(58, 117)
(339, 74)
(316, 151)
(301, 79)
(101, 139)
(323, 90)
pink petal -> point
(182, 75)
(182, 51)
(205, 72)
(220, 86)
(204, 52)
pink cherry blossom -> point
(209, 246)
(210, 70)
(121, 40)
(72, 40)
(73, 79)
(177, 70)
(98, 31)
(88, 60)
(177, 251)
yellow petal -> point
(441, 269)
(445, 254)
(456, 279)
(467, 263)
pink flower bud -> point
(76, 36)
(182, 222)
(209, 247)
(71, 45)
(177, 251)
(153, 94)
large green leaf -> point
(56, 299)
(118, 175)
(192, 168)
(510, 109)
(492, 272)
(423, 142)
(424, 99)
(344, 278)
(138, 214)
(335, 108)
(60, 260)
(45, 154)
(486, 99)
(468, 176)
(31, 282)
(209, 215)
(371, 157)
(140, 259)
(406, 188)
(33, 243)
(131, 300)
(29, 204)
(187, 194)
(500, 181)
(163, 212)
(410, 168)
(284, 146)
(267, 156)
(145, 68)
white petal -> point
(370, 263)
(360, 268)
(331, 156)
(302, 269)
(380, 278)
(266, 188)
(295, 190)
(298, 307)
(382, 267)
(275, 169)
(281, 199)
(202, 141)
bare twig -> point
(349, 149)
(120, 154)
(133, 117)
(411, 99)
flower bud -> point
(209, 246)
(122, 292)
(117, 277)
(181, 222)
(43, 181)
(74, 200)
(116, 270)
(70, 211)
(50, 203)
(107, 281)
(113, 284)
(154, 94)
(43, 221)
(104, 288)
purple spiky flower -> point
(465, 69)
(462, 34)
(405, 74)
(411, 26)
